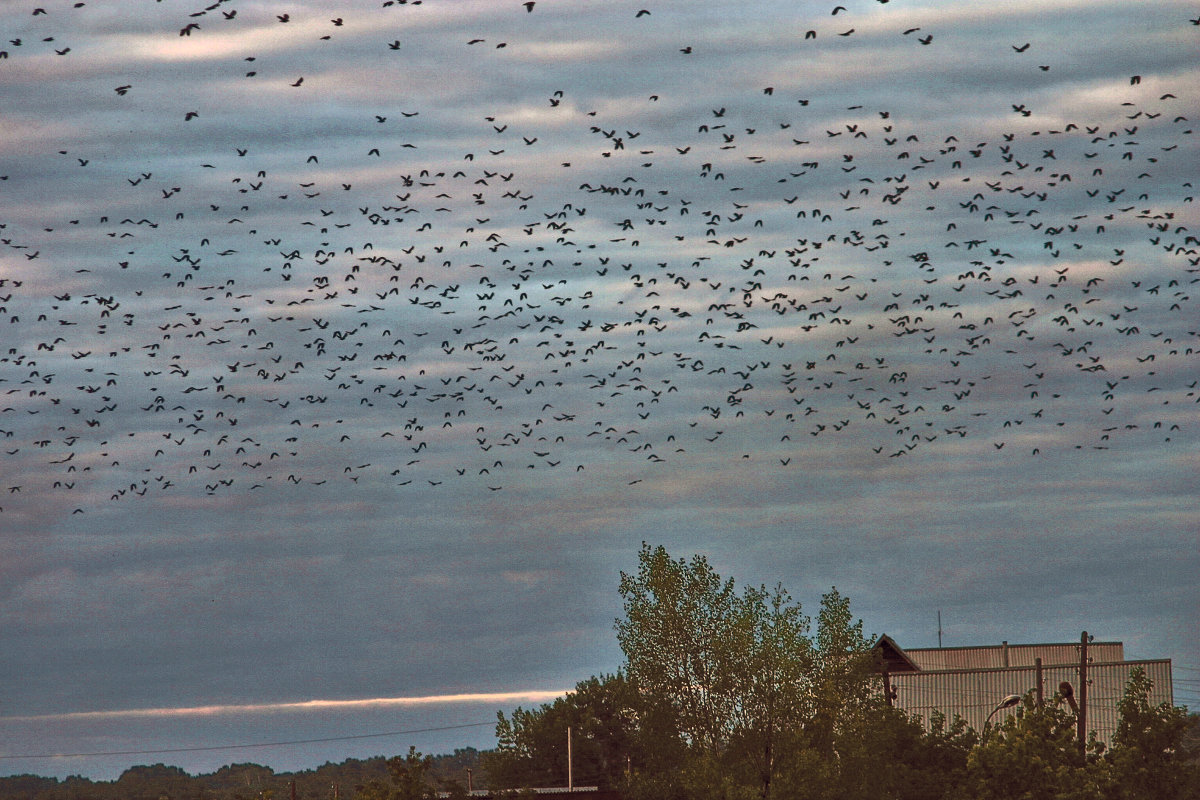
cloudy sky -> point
(349, 350)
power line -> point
(247, 746)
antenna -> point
(939, 628)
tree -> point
(882, 753)
(731, 670)
(848, 728)
(409, 779)
(678, 638)
(772, 680)
(844, 672)
(532, 744)
(1147, 758)
(1034, 755)
(153, 782)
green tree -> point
(153, 782)
(772, 681)
(845, 673)
(848, 729)
(1034, 755)
(883, 754)
(678, 636)
(605, 737)
(730, 670)
(1147, 759)
(409, 779)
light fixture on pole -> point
(1008, 702)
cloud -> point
(304, 393)
(537, 696)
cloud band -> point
(535, 696)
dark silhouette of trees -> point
(725, 695)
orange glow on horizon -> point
(535, 696)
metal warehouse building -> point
(973, 681)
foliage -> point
(532, 744)
(679, 634)
(409, 779)
(1037, 754)
(1034, 754)
(725, 696)
(883, 753)
(844, 673)
(234, 781)
(750, 698)
(1147, 759)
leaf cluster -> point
(725, 695)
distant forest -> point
(240, 781)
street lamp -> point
(1008, 702)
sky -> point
(350, 350)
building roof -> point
(896, 659)
(893, 657)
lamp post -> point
(1008, 702)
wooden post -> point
(1081, 718)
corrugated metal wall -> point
(1016, 655)
(973, 693)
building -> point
(972, 681)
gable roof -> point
(892, 657)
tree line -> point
(352, 779)
(730, 694)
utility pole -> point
(1081, 717)
(570, 777)
(939, 629)
(1037, 663)
(470, 784)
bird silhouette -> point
(381, 292)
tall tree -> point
(773, 681)
(1147, 757)
(731, 669)
(678, 636)
(845, 673)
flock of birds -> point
(616, 292)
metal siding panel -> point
(972, 694)
(1019, 655)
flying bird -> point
(670, 297)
